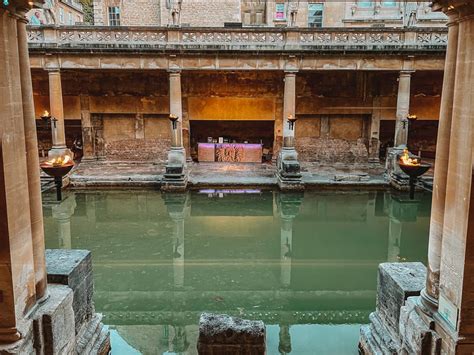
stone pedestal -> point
(289, 170)
(175, 177)
(222, 334)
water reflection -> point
(304, 264)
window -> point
(315, 14)
(389, 3)
(61, 16)
(114, 16)
(70, 21)
(280, 11)
(365, 3)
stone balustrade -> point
(240, 39)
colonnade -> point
(23, 283)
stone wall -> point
(330, 139)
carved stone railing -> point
(225, 39)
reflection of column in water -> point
(286, 239)
(284, 346)
(62, 213)
(394, 238)
(180, 340)
(165, 337)
(178, 251)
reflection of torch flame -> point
(406, 160)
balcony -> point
(152, 39)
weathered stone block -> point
(415, 333)
(222, 334)
(397, 282)
(54, 328)
(74, 269)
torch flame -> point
(406, 160)
(59, 161)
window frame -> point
(280, 4)
(114, 15)
(318, 24)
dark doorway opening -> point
(232, 132)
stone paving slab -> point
(129, 174)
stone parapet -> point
(77, 38)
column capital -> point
(464, 8)
(53, 70)
(174, 72)
(405, 72)
(290, 72)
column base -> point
(8, 336)
(289, 170)
(175, 178)
(427, 304)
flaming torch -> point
(413, 168)
(57, 168)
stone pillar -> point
(397, 178)
(87, 130)
(17, 266)
(57, 112)
(403, 109)
(289, 109)
(374, 137)
(175, 177)
(288, 166)
(32, 161)
(176, 108)
(456, 288)
(429, 295)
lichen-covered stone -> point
(222, 334)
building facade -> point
(266, 13)
(57, 12)
(229, 62)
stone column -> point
(176, 108)
(57, 112)
(288, 166)
(87, 130)
(403, 109)
(289, 108)
(17, 266)
(456, 288)
(429, 296)
(32, 161)
(374, 137)
(175, 178)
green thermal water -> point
(305, 265)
